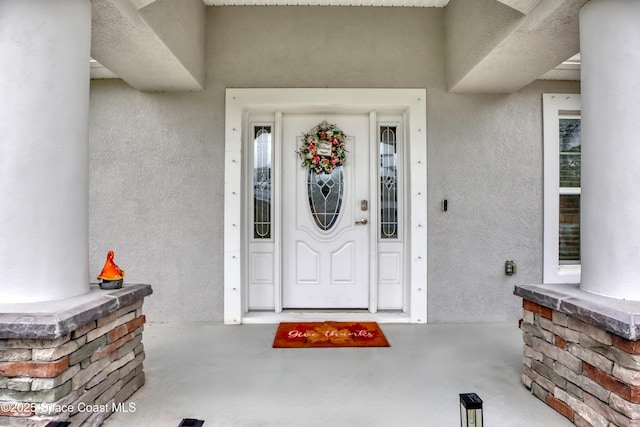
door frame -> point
(409, 102)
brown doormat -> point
(329, 334)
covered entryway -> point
(346, 243)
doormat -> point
(329, 334)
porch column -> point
(610, 213)
(44, 115)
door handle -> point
(363, 221)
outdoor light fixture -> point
(470, 410)
(191, 422)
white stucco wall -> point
(156, 159)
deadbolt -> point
(364, 205)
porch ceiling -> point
(391, 3)
(523, 6)
(493, 46)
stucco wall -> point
(157, 158)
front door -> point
(325, 217)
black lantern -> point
(470, 410)
(191, 422)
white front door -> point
(325, 217)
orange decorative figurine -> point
(111, 276)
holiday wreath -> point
(323, 148)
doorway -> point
(315, 243)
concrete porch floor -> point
(229, 376)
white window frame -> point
(555, 106)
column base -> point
(582, 354)
(77, 359)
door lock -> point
(363, 221)
(364, 205)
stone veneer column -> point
(582, 354)
(584, 372)
(609, 35)
(44, 115)
(79, 359)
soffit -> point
(492, 48)
(389, 3)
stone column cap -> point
(618, 316)
(53, 319)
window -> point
(569, 221)
(388, 182)
(262, 182)
(562, 162)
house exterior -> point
(254, 162)
(461, 82)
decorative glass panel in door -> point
(325, 196)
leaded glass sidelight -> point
(262, 182)
(325, 191)
(388, 182)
